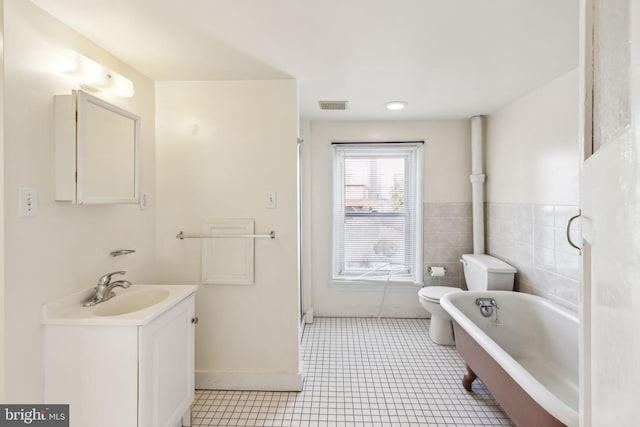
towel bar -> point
(181, 236)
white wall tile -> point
(524, 233)
(562, 214)
(569, 291)
(524, 254)
(568, 265)
(546, 264)
(544, 237)
(562, 244)
(525, 213)
(510, 212)
(544, 258)
(543, 215)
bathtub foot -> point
(468, 379)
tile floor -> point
(362, 372)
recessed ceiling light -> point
(395, 105)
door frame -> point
(585, 136)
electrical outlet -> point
(27, 202)
(271, 201)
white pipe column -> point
(477, 178)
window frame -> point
(414, 159)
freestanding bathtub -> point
(527, 356)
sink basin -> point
(130, 302)
(136, 305)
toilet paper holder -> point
(436, 271)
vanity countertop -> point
(136, 305)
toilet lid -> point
(434, 293)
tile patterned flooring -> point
(362, 372)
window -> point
(377, 221)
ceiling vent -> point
(333, 105)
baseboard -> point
(210, 380)
(353, 311)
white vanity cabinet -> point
(125, 375)
(166, 369)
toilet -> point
(481, 272)
(441, 329)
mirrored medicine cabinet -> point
(96, 151)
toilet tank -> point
(485, 272)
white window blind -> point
(377, 220)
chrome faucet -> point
(104, 288)
(486, 306)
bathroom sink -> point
(136, 305)
(130, 302)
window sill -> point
(356, 285)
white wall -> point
(447, 165)
(65, 248)
(221, 147)
(532, 149)
(532, 189)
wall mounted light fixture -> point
(94, 77)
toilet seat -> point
(434, 293)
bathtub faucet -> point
(486, 306)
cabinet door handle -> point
(194, 320)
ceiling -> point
(446, 58)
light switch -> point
(271, 201)
(27, 202)
(144, 202)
